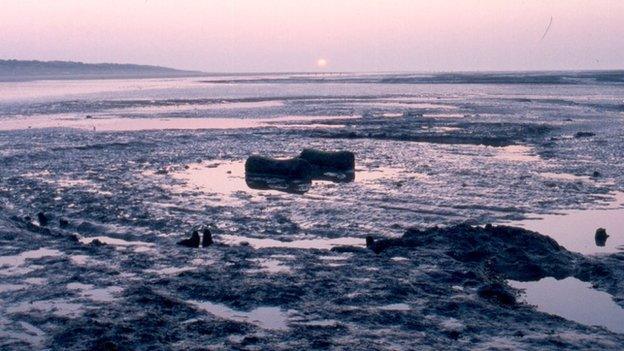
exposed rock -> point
(295, 175)
(511, 252)
(348, 249)
(97, 242)
(193, 241)
(295, 168)
(329, 161)
(497, 293)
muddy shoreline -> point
(292, 271)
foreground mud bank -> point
(431, 288)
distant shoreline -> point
(21, 70)
(7, 79)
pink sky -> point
(292, 35)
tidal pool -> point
(271, 318)
(317, 243)
(575, 229)
(575, 300)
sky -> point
(319, 35)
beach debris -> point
(596, 174)
(311, 164)
(601, 237)
(327, 161)
(193, 241)
(206, 238)
(42, 218)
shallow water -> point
(121, 124)
(138, 246)
(575, 229)
(575, 300)
(226, 180)
(271, 318)
(10, 263)
(318, 243)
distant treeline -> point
(25, 70)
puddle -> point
(271, 318)
(442, 129)
(79, 260)
(564, 176)
(516, 153)
(226, 179)
(11, 264)
(193, 107)
(140, 246)
(574, 300)
(26, 333)
(320, 243)
(57, 307)
(11, 287)
(220, 177)
(395, 307)
(269, 265)
(88, 291)
(322, 323)
(575, 229)
(342, 257)
(170, 270)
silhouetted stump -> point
(329, 161)
(193, 241)
(206, 238)
(63, 223)
(42, 218)
(601, 237)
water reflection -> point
(278, 184)
(575, 300)
(271, 318)
(576, 229)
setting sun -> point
(321, 63)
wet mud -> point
(291, 270)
